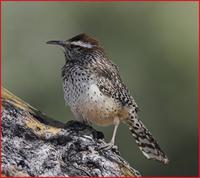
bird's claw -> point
(108, 146)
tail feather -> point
(147, 144)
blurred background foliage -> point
(155, 45)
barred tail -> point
(147, 144)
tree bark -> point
(33, 144)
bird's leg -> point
(116, 125)
(112, 142)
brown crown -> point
(84, 38)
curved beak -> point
(56, 42)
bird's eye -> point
(74, 46)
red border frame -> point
(1, 85)
(105, 1)
(100, 0)
(199, 86)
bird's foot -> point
(109, 146)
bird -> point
(96, 93)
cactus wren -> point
(96, 93)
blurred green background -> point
(155, 45)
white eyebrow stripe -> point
(82, 44)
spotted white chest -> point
(89, 104)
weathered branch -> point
(35, 145)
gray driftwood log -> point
(35, 145)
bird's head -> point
(78, 46)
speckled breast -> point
(89, 104)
